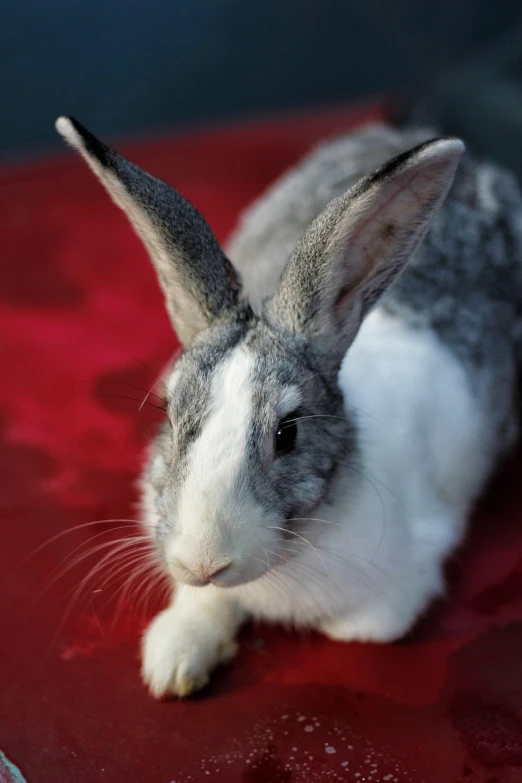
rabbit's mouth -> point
(220, 572)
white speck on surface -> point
(294, 749)
(284, 717)
(330, 749)
(301, 718)
(350, 747)
(317, 724)
(344, 763)
(308, 728)
(387, 777)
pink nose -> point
(202, 574)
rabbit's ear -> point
(359, 245)
(198, 280)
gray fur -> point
(287, 487)
(271, 228)
(297, 482)
(464, 283)
(198, 280)
(187, 410)
(334, 276)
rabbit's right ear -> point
(358, 246)
(197, 278)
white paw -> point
(180, 652)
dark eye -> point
(286, 434)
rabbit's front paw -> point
(178, 653)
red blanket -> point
(83, 333)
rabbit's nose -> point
(201, 574)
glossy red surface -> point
(80, 317)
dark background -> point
(126, 67)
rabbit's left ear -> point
(197, 278)
(359, 245)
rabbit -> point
(347, 386)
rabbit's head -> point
(256, 424)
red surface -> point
(80, 313)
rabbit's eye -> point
(286, 434)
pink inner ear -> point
(344, 297)
(380, 225)
(371, 244)
(375, 247)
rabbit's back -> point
(469, 262)
(271, 228)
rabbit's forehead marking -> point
(190, 384)
(234, 394)
(216, 455)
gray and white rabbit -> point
(346, 389)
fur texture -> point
(332, 421)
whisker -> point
(129, 564)
(348, 562)
(123, 541)
(374, 418)
(346, 418)
(314, 519)
(381, 501)
(312, 575)
(148, 586)
(271, 575)
(120, 383)
(384, 486)
(118, 546)
(76, 594)
(148, 394)
(121, 553)
(132, 399)
(362, 572)
(318, 416)
(267, 558)
(292, 532)
(90, 550)
(128, 353)
(294, 566)
(81, 527)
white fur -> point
(371, 559)
(215, 517)
(290, 401)
(378, 557)
(186, 641)
(373, 565)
